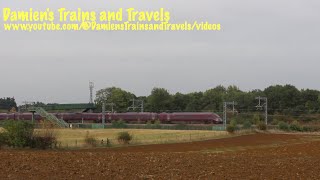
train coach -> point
(190, 118)
(129, 117)
(19, 116)
(80, 117)
(132, 117)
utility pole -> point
(26, 104)
(103, 114)
(104, 111)
(225, 106)
(104, 103)
(137, 104)
(264, 105)
(91, 86)
(225, 115)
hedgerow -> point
(20, 134)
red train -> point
(130, 117)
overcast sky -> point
(263, 43)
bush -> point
(247, 125)
(124, 137)
(233, 122)
(120, 124)
(157, 124)
(43, 140)
(283, 126)
(239, 119)
(19, 133)
(275, 122)
(231, 128)
(262, 126)
(307, 129)
(181, 127)
(3, 139)
(295, 126)
(256, 119)
(114, 123)
(90, 141)
(149, 125)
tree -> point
(119, 97)
(232, 93)
(213, 98)
(309, 99)
(8, 103)
(159, 101)
(195, 102)
(19, 133)
(180, 102)
(281, 97)
(39, 104)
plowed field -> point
(257, 156)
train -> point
(129, 117)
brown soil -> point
(257, 156)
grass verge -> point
(76, 137)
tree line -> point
(286, 99)
(8, 103)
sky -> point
(262, 43)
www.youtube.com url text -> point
(78, 20)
